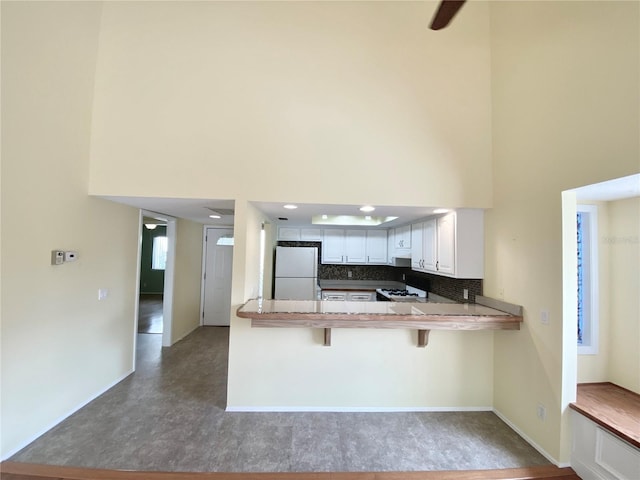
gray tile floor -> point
(169, 415)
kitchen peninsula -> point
(486, 314)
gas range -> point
(410, 294)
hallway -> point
(169, 415)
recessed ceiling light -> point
(290, 206)
(215, 216)
(150, 226)
(367, 208)
(441, 210)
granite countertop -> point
(345, 314)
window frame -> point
(590, 275)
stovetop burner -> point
(399, 292)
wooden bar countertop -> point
(408, 315)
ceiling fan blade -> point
(446, 11)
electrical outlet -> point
(544, 317)
(465, 293)
(501, 293)
(349, 274)
(403, 277)
(541, 412)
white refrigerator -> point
(296, 273)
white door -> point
(217, 276)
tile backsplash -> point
(445, 286)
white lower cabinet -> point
(334, 296)
(600, 455)
(349, 295)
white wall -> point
(60, 345)
(565, 114)
(305, 102)
(624, 256)
(293, 101)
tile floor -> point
(169, 415)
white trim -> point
(169, 279)
(355, 409)
(136, 310)
(64, 417)
(169, 276)
(528, 439)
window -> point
(225, 240)
(587, 281)
(159, 255)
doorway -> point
(216, 277)
(153, 259)
(165, 254)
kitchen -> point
(434, 260)
(442, 250)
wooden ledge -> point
(614, 408)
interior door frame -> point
(204, 263)
(169, 276)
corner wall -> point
(188, 276)
(565, 114)
(61, 347)
(623, 245)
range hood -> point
(401, 261)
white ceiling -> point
(302, 215)
(198, 210)
(194, 209)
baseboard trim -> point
(32, 438)
(238, 408)
(530, 441)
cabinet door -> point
(310, 234)
(334, 296)
(416, 246)
(288, 233)
(391, 245)
(429, 245)
(446, 244)
(376, 246)
(356, 246)
(333, 246)
(403, 237)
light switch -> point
(103, 293)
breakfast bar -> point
(422, 317)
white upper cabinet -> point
(333, 246)
(402, 238)
(451, 245)
(376, 246)
(299, 234)
(288, 233)
(358, 247)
